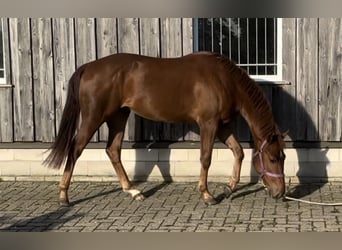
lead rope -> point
(311, 202)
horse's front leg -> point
(207, 133)
(229, 139)
(237, 149)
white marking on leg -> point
(133, 192)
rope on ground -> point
(310, 202)
(313, 202)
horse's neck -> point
(259, 120)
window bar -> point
(221, 37)
(275, 31)
(2, 67)
(248, 45)
(256, 46)
(230, 37)
(239, 40)
(204, 30)
(201, 41)
(265, 45)
(206, 41)
(212, 34)
(279, 59)
(196, 34)
(200, 34)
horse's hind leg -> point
(84, 134)
(208, 134)
(225, 135)
(116, 126)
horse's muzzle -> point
(277, 196)
(275, 193)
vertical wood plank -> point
(128, 32)
(64, 62)
(106, 45)
(268, 90)
(187, 34)
(106, 37)
(22, 79)
(150, 46)
(171, 39)
(43, 79)
(6, 47)
(85, 46)
(6, 132)
(85, 40)
(150, 37)
(307, 79)
(6, 117)
(171, 46)
(191, 132)
(330, 79)
(284, 96)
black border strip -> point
(169, 241)
(174, 8)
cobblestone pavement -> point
(102, 206)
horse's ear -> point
(284, 134)
(272, 138)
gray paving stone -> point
(172, 207)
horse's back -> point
(174, 89)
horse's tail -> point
(65, 140)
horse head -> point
(269, 163)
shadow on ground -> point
(52, 220)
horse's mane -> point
(258, 105)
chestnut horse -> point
(203, 88)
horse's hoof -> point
(227, 191)
(139, 197)
(210, 202)
(64, 203)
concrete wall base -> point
(169, 164)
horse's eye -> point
(274, 161)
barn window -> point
(2, 61)
(252, 43)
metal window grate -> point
(2, 63)
(253, 43)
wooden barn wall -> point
(44, 52)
